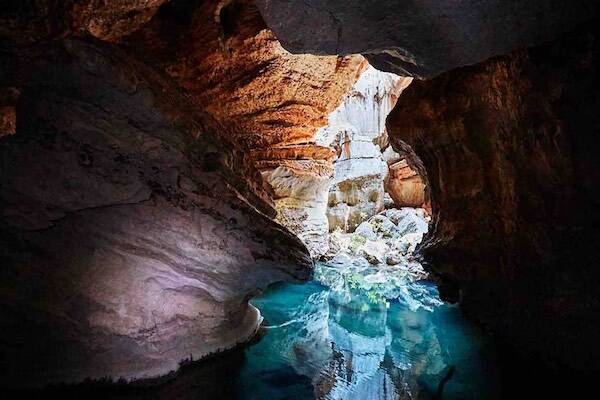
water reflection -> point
(329, 344)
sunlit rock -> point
(223, 54)
(300, 190)
(374, 251)
(356, 129)
(405, 186)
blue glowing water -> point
(328, 344)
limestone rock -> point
(223, 54)
(374, 251)
(300, 188)
(356, 129)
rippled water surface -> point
(351, 344)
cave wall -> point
(510, 150)
(27, 22)
(132, 230)
(421, 38)
(223, 54)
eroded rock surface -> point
(420, 38)
(300, 177)
(511, 153)
(132, 230)
(405, 185)
(223, 54)
(356, 129)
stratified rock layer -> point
(510, 149)
(132, 231)
(300, 177)
(420, 38)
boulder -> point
(374, 252)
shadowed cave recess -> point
(314, 199)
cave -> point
(253, 199)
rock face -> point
(421, 38)
(300, 177)
(405, 185)
(357, 130)
(30, 21)
(222, 53)
(132, 231)
(8, 112)
(510, 150)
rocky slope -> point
(132, 230)
(511, 153)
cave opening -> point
(370, 324)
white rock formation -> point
(356, 129)
(301, 202)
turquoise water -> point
(327, 344)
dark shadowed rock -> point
(510, 148)
(420, 37)
(132, 231)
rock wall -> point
(222, 53)
(27, 22)
(510, 150)
(300, 177)
(420, 38)
(132, 230)
(356, 129)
